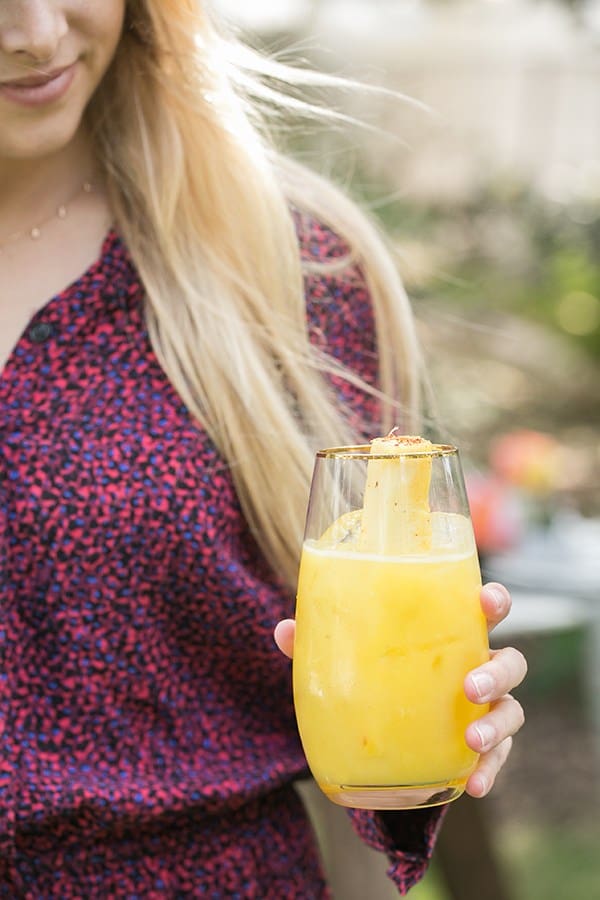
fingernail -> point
(483, 684)
(486, 733)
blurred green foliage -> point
(555, 668)
(542, 863)
(553, 863)
(509, 249)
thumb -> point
(284, 634)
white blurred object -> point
(538, 614)
(513, 84)
(564, 557)
(264, 15)
(591, 15)
(554, 577)
(471, 26)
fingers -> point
(483, 778)
(492, 734)
(505, 670)
(284, 634)
(495, 603)
(504, 719)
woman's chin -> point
(36, 140)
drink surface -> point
(383, 645)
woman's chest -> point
(100, 461)
(123, 549)
(33, 271)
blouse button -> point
(40, 332)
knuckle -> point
(501, 595)
(518, 657)
(519, 712)
(524, 663)
(507, 599)
(514, 665)
(493, 766)
(506, 750)
(505, 667)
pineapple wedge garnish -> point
(344, 530)
(396, 518)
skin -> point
(41, 36)
(46, 154)
(492, 734)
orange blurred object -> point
(497, 516)
(527, 459)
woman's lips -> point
(37, 90)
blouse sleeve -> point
(341, 322)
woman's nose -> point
(32, 29)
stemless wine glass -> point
(388, 623)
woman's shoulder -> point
(333, 275)
(338, 302)
(318, 241)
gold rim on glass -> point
(362, 451)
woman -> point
(158, 418)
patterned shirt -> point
(148, 738)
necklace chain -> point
(61, 212)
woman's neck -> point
(32, 189)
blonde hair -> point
(202, 199)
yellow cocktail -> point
(383, 643)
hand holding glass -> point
(388, 623)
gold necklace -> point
(61, 212)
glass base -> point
(393, 796)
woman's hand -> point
(492, 735)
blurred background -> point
(487, 178)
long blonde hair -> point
(202, 199)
